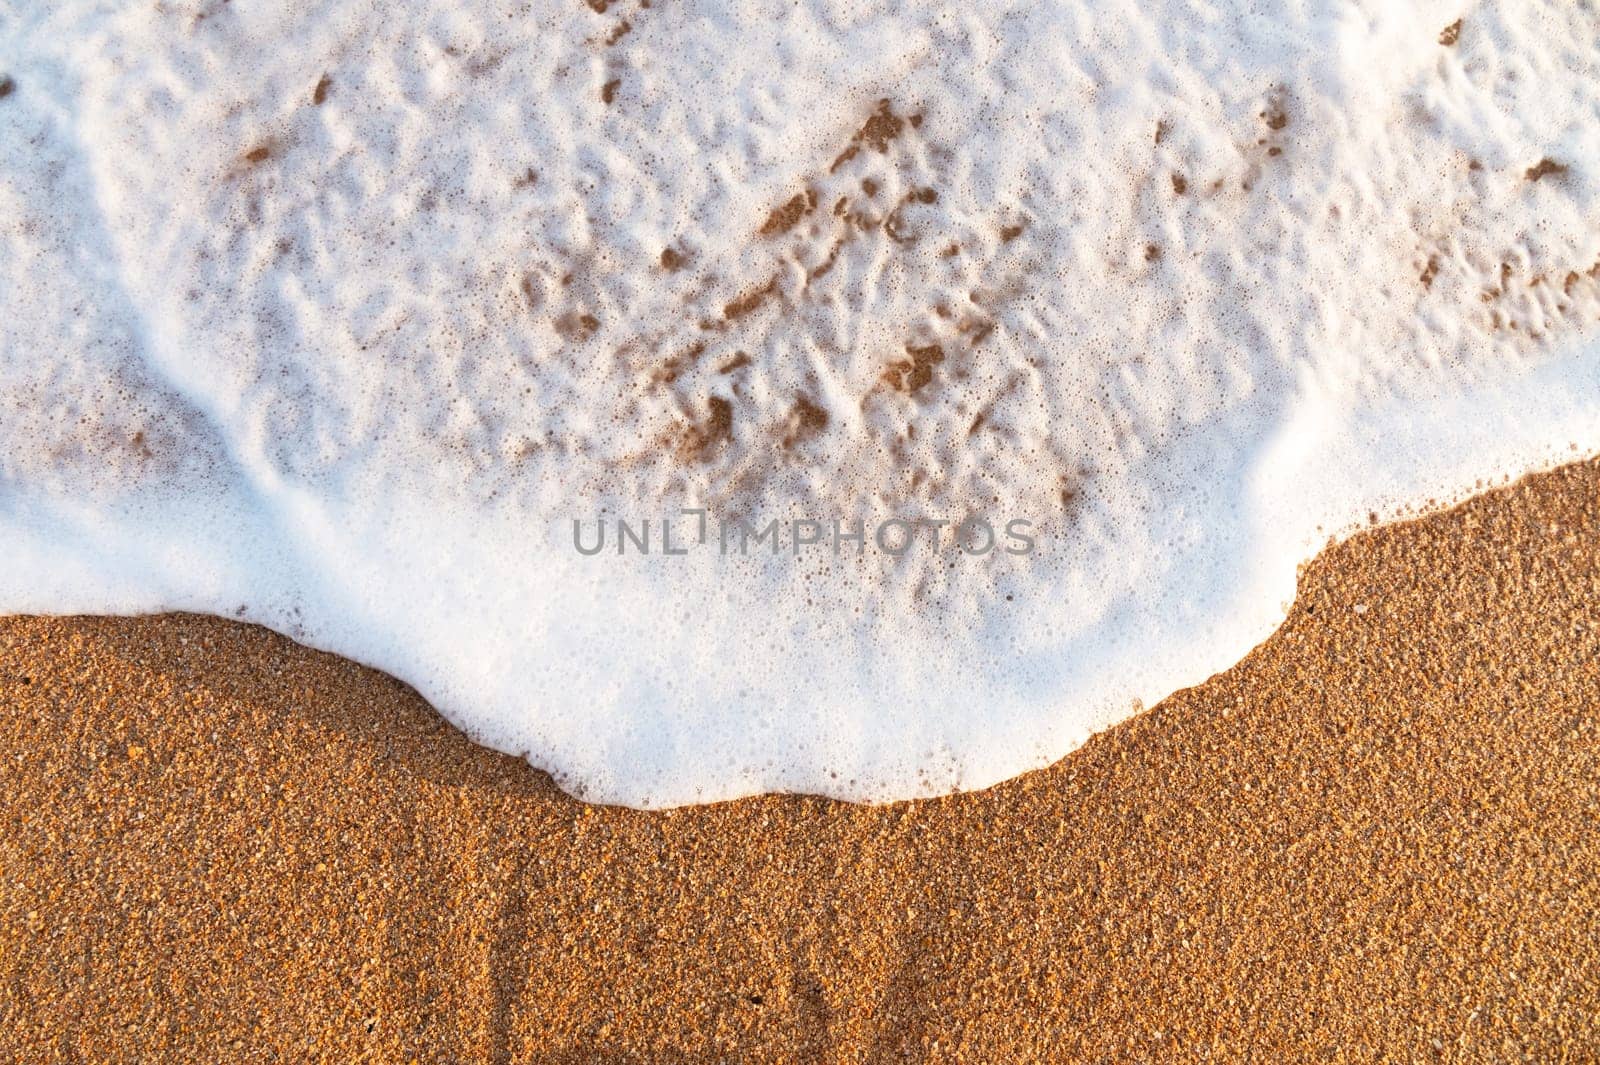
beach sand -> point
(1376, 838)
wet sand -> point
(1377, 838)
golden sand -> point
(1377, 838)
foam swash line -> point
(872, 399)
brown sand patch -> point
(1545, 168)
(806, 420)
(670, 370)
(750, 301)
(703, 439)
(879, 130)
(782, 219)
(576, 326)
(916, 370)
(1377, 838)
(1430, 271)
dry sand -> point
(1377, 838)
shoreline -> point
(1374, 836)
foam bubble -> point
(340, 324)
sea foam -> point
(341, 323)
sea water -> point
(945, 380)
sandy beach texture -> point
(1377, 838)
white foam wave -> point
(338, 323)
